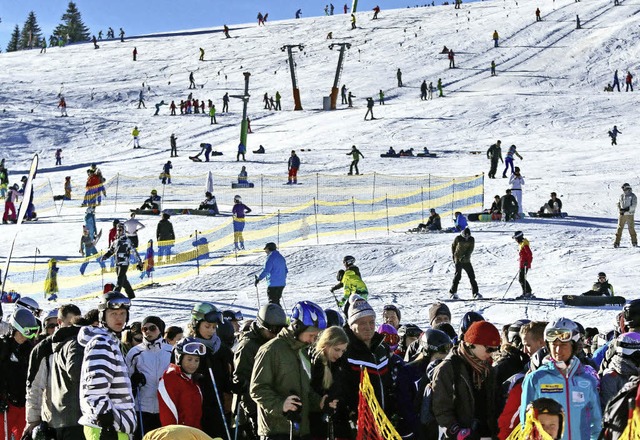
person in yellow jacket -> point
(496, 37)
(350, 280)
(135, 133)
(353, 21)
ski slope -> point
(547, 99)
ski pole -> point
(4, 417)
(257, 292)
(514, 278)
(33, 275)
(140, 411)
(237, 422)
(215, 389)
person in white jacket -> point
(147, 362)
(516, 181)
(627, 207)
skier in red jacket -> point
(526, 257)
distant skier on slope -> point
(627, 207)
(613, 134)
(508, 161)
(494, 153)
(356, 155)
(525, 259)
(239, 211)
(122, 249)
(350, 279)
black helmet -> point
(466, 233)
(631, 312)
(349, 260)
(334, 318)
(116, 222)
(435, 341)
(30, 304)
(544, 405)
(272, 317)
(518, 235)
(602, 275)
(270, 247)
(513, 335)
(468, 319)
(112, 301)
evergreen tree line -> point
(70, 30)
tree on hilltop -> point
(72, 26)
(15, 38)
(31, 33)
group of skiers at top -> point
(530, 380)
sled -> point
(146, 211)
(389, 155)
(547, 215)
(483, 217)
(592, 301)
(426, 155)
(236, 185)
(195, 159)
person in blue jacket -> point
(275, 271)
(567, 381)
(459, 222)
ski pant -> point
(136, 142)
(225, 107)
(164, 250)
(517, 193)
(626, 220)
(9, 211)
(629, 86)
(344, 99)
(58, 161)
(616, 84)
(174, 151)
(134, 240)
(91, 433)
(508, 162)
(90, 252)
(293, 175)
(150, 421)
(274, 293)
(468, 268)
(123, 282)
(369, 111)
(354, 164)
(494, 168)
(16, 422)
(238, 157)
(522, 278)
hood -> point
(89, 332)
(64, 334)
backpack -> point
(618, 410)
(424, 396)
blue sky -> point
(140, 17)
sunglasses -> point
(558, 334)
(50, 326)
(150, 328)
(274, 329)
(444, 348)
(196, 348)
(491, 349)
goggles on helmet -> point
(233, 316)
(214, 317)
(118, 303)
(558, 334)
(27, 332)
(413, 332)
(195, 348)
(444, 348)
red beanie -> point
(483, 333)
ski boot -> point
(453, 295)
(477, 296)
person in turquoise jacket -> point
(567, 381)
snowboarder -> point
(275, 271)
(356, 155)
(212, 115)
(602, 287)
(243, 176)
(192, 82)
(399, 76)
(613, 134)
(493, 68)
(440, 94)
(239, 210)
(508, 161)
(121, 35)
(141, 99)
(173, 144)
(158, 105)
(494, 153)
(226, 31)
(627, 207)
(59, 156)
(242, 149)
(370, 104)
(616, 80)
(629, 81)
(225, 103)
(135, 54)
(495, 37)
(350, 279)
(525, 259)
(376, 11)
(122, 249)
(152, 202)
(462, 248)
(452, 60)
(62, 105)
(209, 203)
(353, 21)
(423, 90)
(508, 206)
(293, 165)
(343, 93)
(553, 206)
(201, 55)
(135, 133)
(87, 249)
(538, 18)
(434, 223)
(94, 40)
(516, 181)
(166, 173)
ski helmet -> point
(237, 198)
(334, 318)
(116, 222)
(602, 275)
(434, 341)
(466, 233)
(563, 330)
(272, 317)
(270, 247)
(544, 405)
(23, 321)
(226, 333)
(205, 311)
(349, 260)
(154, 192)
(390, 335)
(468, 319)
(307, 314)
(189, 345)
(30, 304)
(513, 335)
(626, 186)
(518, 235)
(112, 301)
(631, 312)
(628, 345)
(53, 314)
(230, 315)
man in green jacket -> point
(462, 248)
(280, 383)
(356, 155)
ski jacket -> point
(38, 396)
(526, 257)
(282, 369)
(355, 153)
(462, 248)
(602, 288)
(104, 381)
(629, 78)
(166, 168)
(613, 379)
(12, 196)
(65, 377)
(508, 202)
(494, 153)
(180, 399)
(628, 202)
(151, 359)
(135, 132)
(352, 283)
(460, 222)
(164, 231)
(495, 35)
(318, 426)
(516, 182)
(239, 210)
(14, 364)
(275, 270)
(577, 393)
(434, 222)
(512, 151)
(294, 162)
(122, 249)
(112, 235)
(510, 416)
(556, 204)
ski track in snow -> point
(546, 98)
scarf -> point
(480, 368)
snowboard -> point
(479, 217)
(195, 159)
(426, 155)
(547, 215)
(146, 211)
(186, 211)
(592, 301)
(235, 185)
(97, 237)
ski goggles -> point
(443, 349)
(230, 315)
(558, 334)
(119, 303)
(27, 332)
(195, 348)
(213, 317)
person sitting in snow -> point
(459, 223)
(153, 202)
(602, 287)
(209, 203)
(553, 206)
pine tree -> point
(15, 38)
(31, 33)
(72, 26)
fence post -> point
(318, 186)
(315, 209)
(373, 190)
(262, 193)
(386, 201)
(115, 204)
(453, 194)
(422, 201)
(353, 206)
(278, 236)
(482, 190)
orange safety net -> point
(373, 423)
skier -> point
(343, 93)
(353, 21)
(493, 68)
(538, 18)
(356, 155)
(399, 77)
(141, 99)
(87, 249)
(494, 153)
(350, 97)
(293, 166)
(122, 249)
(376, 10)
(278, 98)
(627, 208)
(439, 85)
(298, 13)
(59, 156)
(238, 211)
(462, 248)
(370, 104)
(616, 80)
(158, 105)
(153, 202)
(135, 54)
(508, 206)
(516, 181)
(201, 55)
(94, 40)
(275, 271)
(9, 205)
(212, 115)
(452, 61)
(381, 97)
(601, 287)
(628, 81)
(613, 134)
(508, 161)
(350, 279)
(165, 236)
(173, 144)
(121, 35)
(166, 173)
(495, 38)
(225, 103)
(62, 105)
(241, 152)
(192, 82)
(209, 203)
(423, 90)
(135, 133)
(226, 31)
(525, 259)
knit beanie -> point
(154, 320)
(438, 309)
(483, 333)
(360, 309)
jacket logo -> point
(552, 388)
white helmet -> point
(237, 198)
(30, 304)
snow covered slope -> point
(547, 99)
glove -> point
(140, 266)
(108, 431)
(4, 405)
(138, 380)
(458, 433)
(464, 434)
